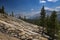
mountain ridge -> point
(37, 16)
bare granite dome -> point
(18, 29)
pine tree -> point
(47, 20)
(20, 18)
(47, 23)
(24, 18)
(2, 9)
(12, 14)
(42, 18)
(52, 27)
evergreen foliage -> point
(52, 28)
(12, 14)
(3, 9)
(42, 18)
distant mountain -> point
(37, 16)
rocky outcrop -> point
(17, 28)
(7, 37)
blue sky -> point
(29, 7)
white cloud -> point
(58, 7)
(42, 1)
(47, 8)
(51, 9)
(32, 9)
(52, 0)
